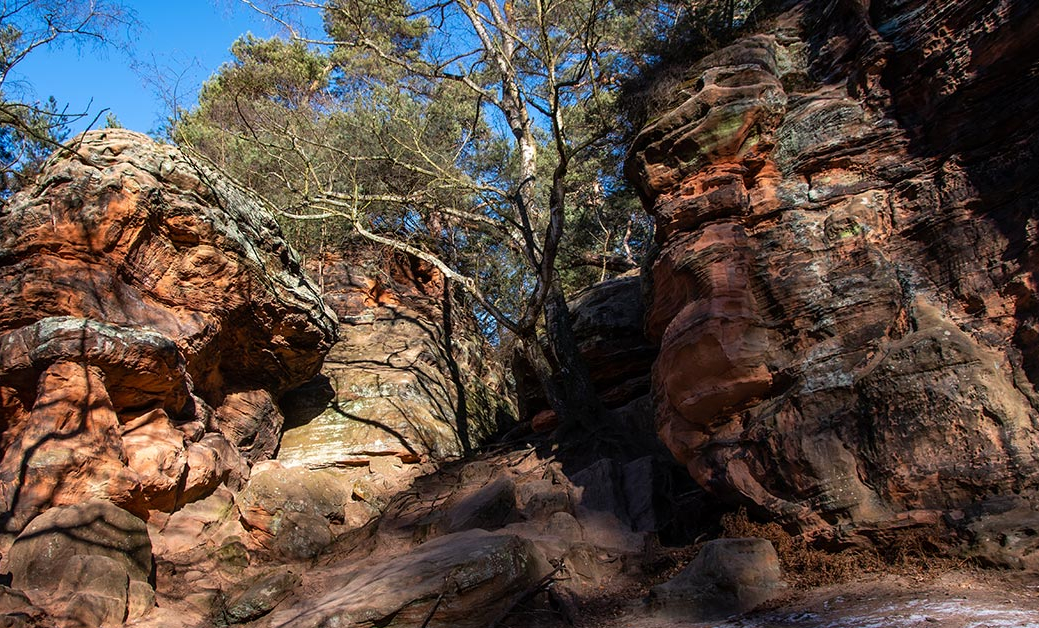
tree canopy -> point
(482, 136)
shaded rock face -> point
(608, 323)
(410, 378)
(844, 293)
(607, 320)
(149, 314)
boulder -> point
(91, 564)
(1004, 532)
(261, 596)
(843, 292)
(139, 291)
(97, 588)
(727, 577)
(488, 508)
(463, 580)
(41, 554)
(207, 522)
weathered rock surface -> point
(290, 510)
(40, 555)
(845, 294)
(90, 563)
(261, 596)
(608, 320)
(608, 323)
(463, 580)
(408, 379)
(150, 312)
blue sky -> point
(180, 43)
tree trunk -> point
(577, 403)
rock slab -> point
(462, 580)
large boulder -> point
(727, 577)
(290, 510)
(150, 311)
(90, 564)
(844, 294)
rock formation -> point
(608, 323)
(409, 379)
(845, 290)
(608, 326)
(150, 314)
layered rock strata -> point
(845, 294)
(150, 314)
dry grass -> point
(911, 552)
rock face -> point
(149, 314)
(607, 320)
(845, 292)
(608, 323)
(410, 378)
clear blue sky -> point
(179, 43)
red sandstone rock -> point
(137, 290)
(844, 292)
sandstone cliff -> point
(845, 289)
(150, 316)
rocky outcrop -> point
(844, 293)
(607, 319)
(150, 312)
(410, 378)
